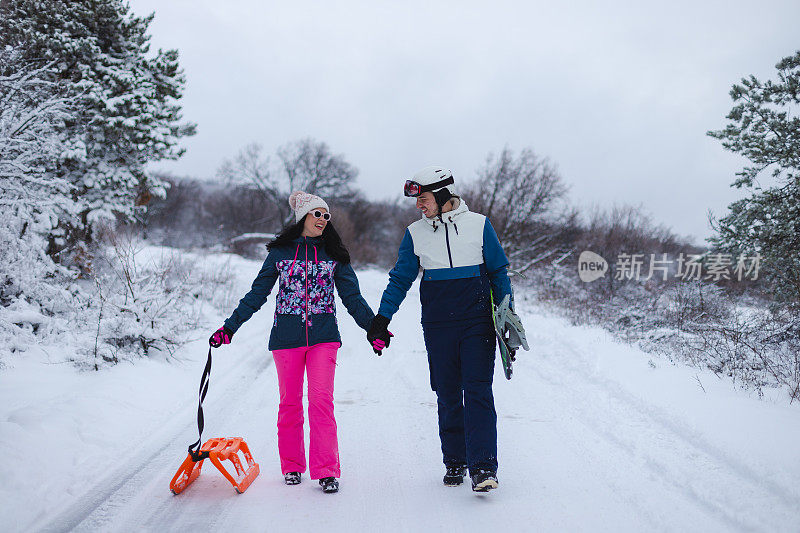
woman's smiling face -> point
(314, 226)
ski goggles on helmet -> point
(414, 189)
(319, 214)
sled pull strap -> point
(196, 454)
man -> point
(462, 262)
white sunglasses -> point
(319, 214)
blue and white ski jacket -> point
(462, 261)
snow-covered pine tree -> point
(764, 127)
(33, 107)
(128, 114)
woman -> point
(309, 259)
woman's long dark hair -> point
(334, 246)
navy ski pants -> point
(461, 358)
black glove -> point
(377, 335)
(222, 336)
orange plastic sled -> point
(218, 450)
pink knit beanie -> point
(301, 203)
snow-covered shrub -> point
(134, 301)
(146, 300)
(34, 292)
(695, 322)
(756, 347)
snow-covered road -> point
(593, 436)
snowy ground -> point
(593, 436)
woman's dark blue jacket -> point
(305, 309)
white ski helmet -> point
(431, 179)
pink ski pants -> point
(319, 361)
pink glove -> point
(378, 344)
(222, 336)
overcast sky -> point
(618, 95)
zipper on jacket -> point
(306, 320)
(447, 239)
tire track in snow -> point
(703, 474)
(99, 503)
(132, 507)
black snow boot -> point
(329, 485)
(455, 475)
(484, 481)
(292, 478)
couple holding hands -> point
(462, 262)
